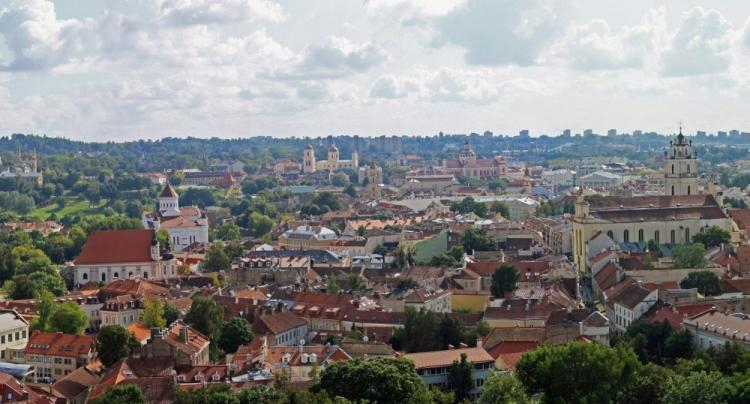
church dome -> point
(333, 148)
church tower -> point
(169, 202)
(333, 158)
(308, 163)
(467, 155)
(680, 167)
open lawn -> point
(72, 207)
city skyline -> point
(97, 71)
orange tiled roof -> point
(59, 344)
(438, 359)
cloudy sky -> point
(128, 69)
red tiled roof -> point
(168, 192)
(277, 323)
(510, 352)
(115, 246)
(59, 344)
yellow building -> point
(673, 218)
(471, 301)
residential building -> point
(714, 328)
(561, 177)
(599, 179)
(14, 331)
(55, 355)
(76, 386)
(185, 225)
(122, 310)
(433, 367)
(253, 269)
(185, 345)
(13, 390)
(282, 328)
(630, 304)
(438, 301)
(307, 237)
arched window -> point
(626, 236)
(688, 189)
(672, 237)
(672, 189)
(611, 235)
(116, 275)
(104, 277)
(688, 168)
(85, 276)
(687, 235)
(656, 236)
(640, 235)
(672, 168)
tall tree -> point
(216, 259)
(153, 314)
(69, 318)
(126, 394)
(712, 236)
(378, 380)
(114, 342)
(503, 389)
(45, 307)
(706, 282)
(206, 316)
(479, 240)
(689, 255)
(504, 280)
(234, 333)
(578, 372)
(460, 378)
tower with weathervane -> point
(680, 167)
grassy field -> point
(73, 207)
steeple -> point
(680, 167)
(169, 202)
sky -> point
(129, 69)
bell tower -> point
(680, 167)
(308, 163)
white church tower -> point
(308, 163)
(169, 202)
(681, 167)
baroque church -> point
(186, 225)
(334, 163)
(672, 218)
(467, 164)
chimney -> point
(450, 347)
(155, 333)
(184, 334)
(462, 345)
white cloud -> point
(38, 39)
(407, 10)
(188, 12)
(701, 45)
(336, 59)
(593, 46)
(501, 32)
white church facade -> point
(334, 163)
(185, 225)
